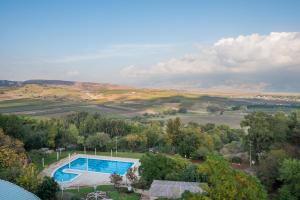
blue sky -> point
(99, 40)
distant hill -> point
(7, 83)
(75, 91)
(105, 92)
(48, 82)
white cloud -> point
(244, 54)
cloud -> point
(251, 57)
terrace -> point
(90, 177)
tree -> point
(135, 141)
(69, 136)
(160, 167)
(189, 143)
(268, 169)
(47, 189)
(174, 131)
(294, 128)
(227, 183)
(260, 136)
(200, 153)
(29, 178)
(153, 134)
(99, 140)
(12, 157)
(290, 176)
(191, 174)
(51, 134)
(279, 127)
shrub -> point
(116, 179)
(47, 189)
(131, 176)
(200, 154)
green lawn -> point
(109, 189)
(51, 158)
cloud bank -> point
(263, 62)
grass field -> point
(109, 189)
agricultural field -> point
(47, 101)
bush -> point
(116, 179)
(47, 189)
(200, 154)
(140, 184)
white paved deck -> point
(86, 178)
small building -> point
(10, 191)
(172, 189)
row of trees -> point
(95, 131)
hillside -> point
(75, 91)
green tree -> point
(174, 131)
(290, 176)
(99, 141)
(259, 136)
(153, 134)
(51, 134)
(70, 136)
(189, 143)
(47, 189)
(294, 126)
(159, 167)
(227, 183)
(191, 174)
(29, 178)
(268, 169)
(280, 127)
(136, 141)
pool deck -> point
(86, 178)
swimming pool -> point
(94, 165)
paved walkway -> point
(86, 178)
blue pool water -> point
(94, 165)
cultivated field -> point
(46, 101)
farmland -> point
(47, 101)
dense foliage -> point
(272, 140)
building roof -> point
(173, 189)
(11, 191)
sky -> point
(190, 44)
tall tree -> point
(227, 183)
(259, 136)
(290, 175)
(174, 131)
